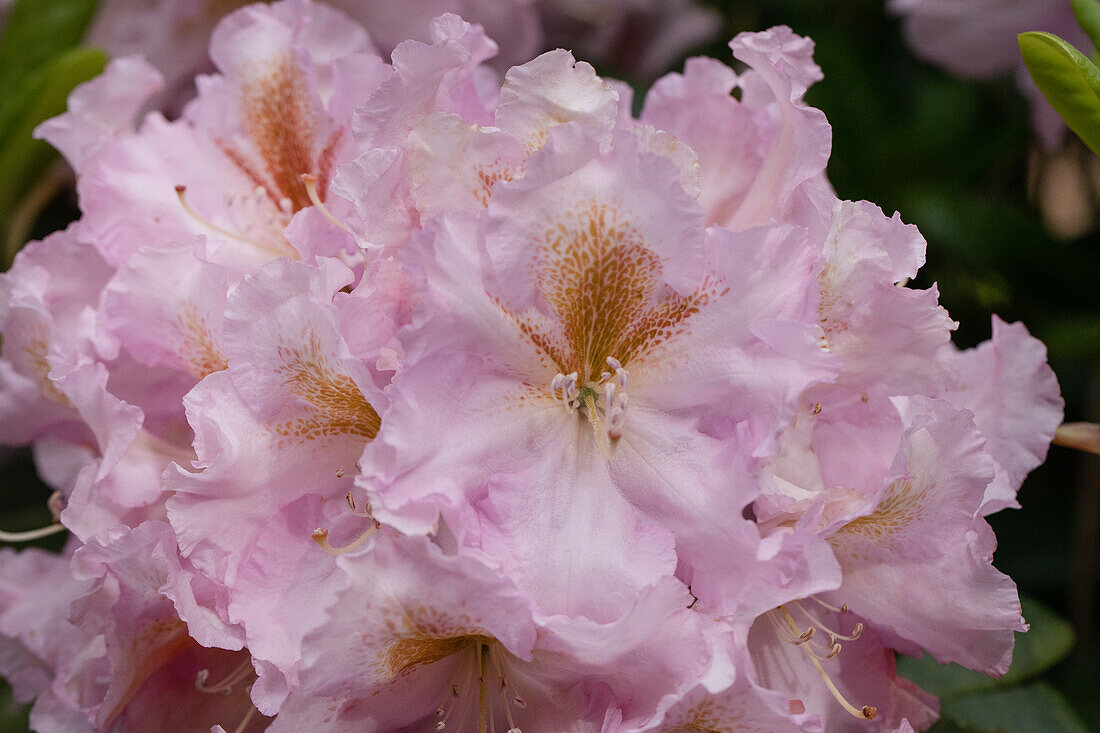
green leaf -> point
(1037, 707)
(36, 31)
(1069, 81)
(1088, 16)
(13, 716)
(1047, 643)
(23, 158)
(1072, 337)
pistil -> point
(604, 401)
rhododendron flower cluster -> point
(396, 395)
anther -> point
(56, 505)
(563, 387)
(354, 508)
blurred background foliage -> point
(1011, 230)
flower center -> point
(603, 401)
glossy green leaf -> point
(1069, 81)
(34, 34)
(1048, 641)
(38, 30)
(23, 158)
(1036, 708)
(1088, 16)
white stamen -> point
(247, 719)
(563, 388)
(225, 687)
(31, 535)
(788, 630)
(181, 192)
(310, 182)
(320, 536)
(604, 401)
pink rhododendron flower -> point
(400, 395)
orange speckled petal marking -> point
(604, 287)
(334, 403)
(282, 125)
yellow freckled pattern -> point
(423, 635)
(709, 717)
(199, 350)
(279, 121)
(34, 353)
(604, 286)
(831, 322)
(334, 404)
(487, 178)
(901, 506)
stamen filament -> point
(247, 719)
(833, 634)
(225, 687)
(180, 193)
(459, 694)
(867, 712)
(829, 606)
(320, 536)
(310, 182)
(32, 534)
(504, 690)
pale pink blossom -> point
(1013, 393)
(534, 349)
(286, 421)
(762, 156)
(230, 169)
(449, 644)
